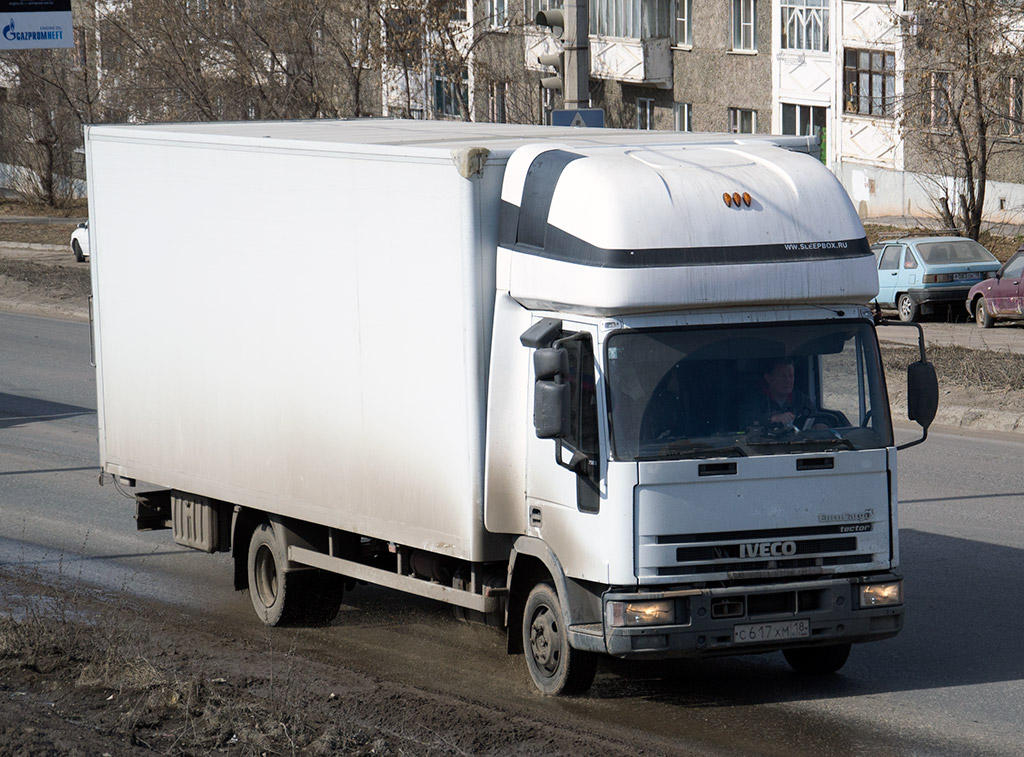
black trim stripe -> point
(559, 245)
(528, 224)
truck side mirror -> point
(922, 388)
(922, 393)
(550, 363)
(551, 410)
(551, 396)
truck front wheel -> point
(279, 597)
(817, 660)
(555, 667)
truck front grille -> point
(805, 551)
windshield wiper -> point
(694, 450)
(827, 444)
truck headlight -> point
(641, 613)
(878, 595)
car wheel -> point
(77, 249)
(907, 309)
(981, 315)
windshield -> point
(954, 251)
(746, 390)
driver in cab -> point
(778, 402)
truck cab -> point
(676, 514)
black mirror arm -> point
(924, 435)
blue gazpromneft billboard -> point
(26, 24)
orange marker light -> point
(747, 199)
(736, 198)
(728, 199)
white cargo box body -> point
(297, 316)
(296, 326)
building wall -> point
(713, 78)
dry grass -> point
(985, 370)
(39, 233)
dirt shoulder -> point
(87, 674)
(43, 279)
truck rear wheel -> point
(817, 660)
(556, 668)
(279, 597)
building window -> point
(938, 100)
(805, 25)
(631, 19)
(547, 104)
(533, 7)
(497, 13)
(1015, 106)
(742, 121)
(683, 115)
(744, 25)
(869, 79)
(644, 113)
(447, 99)
(79, 54)
(684, 19)
(458, 10)
(806, 121)
(497, 103)
(803, 120)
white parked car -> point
(80, 242)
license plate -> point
(768, 632)
(966, 276)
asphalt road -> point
(951, 683)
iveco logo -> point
(768, 549)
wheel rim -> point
(266, 576)
(979, 312)
(905, 307)
(545, 642)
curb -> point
(34, 246)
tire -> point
(981, 315)
(817, 660)
(556, 668)
(282, 598)
(907, 308)
(77, 250)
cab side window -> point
(583, 397)
(890, 258)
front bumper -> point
(705, 619)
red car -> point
(1001, 296)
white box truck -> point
(617, 392)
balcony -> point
(630, 41)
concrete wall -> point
(713, 78)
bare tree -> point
(955, 106)
(41, 120)
(232, 59)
